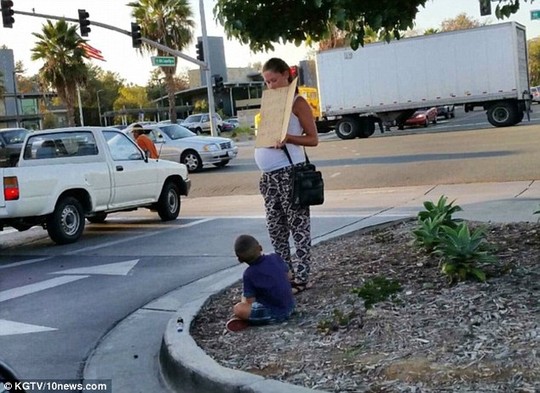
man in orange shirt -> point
(144, 142)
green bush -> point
(427, 233)
(461, 250)
(377, 290)
(441, 209)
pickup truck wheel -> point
(66, 223)
(347, 128)
(191, 160)
(98, 218)
(168, 206)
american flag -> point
(91, 52)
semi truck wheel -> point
(503, 114)
(366, 127)
(347, 128)
(168, 205)
(66, 223)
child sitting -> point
(267, 294)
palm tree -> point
(169, 23)
(64, 68)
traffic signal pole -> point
(203, 64)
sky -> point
(135, 68)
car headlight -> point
(211, 147)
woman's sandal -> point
(298, 287)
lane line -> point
(38, 286)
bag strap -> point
(289, 156)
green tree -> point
(131, 97)
(64, 68)
(534, 61)
(261, 24)
(104, 84)
(170, 23)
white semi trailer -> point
(387, 82)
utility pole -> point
(99, 106)
(208, 72)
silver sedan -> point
(177, 143)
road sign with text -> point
(535, 14)
(163, 61)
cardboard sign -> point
(276, 109)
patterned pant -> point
(284, 219)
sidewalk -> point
(185, 366)
(189, 369)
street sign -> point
(163, 61)
(535, 14)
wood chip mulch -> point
(430, 337)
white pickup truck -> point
(66, 175)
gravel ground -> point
(430, 337)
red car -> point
(422, 117)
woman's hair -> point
(277, 65)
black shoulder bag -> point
(308, 184)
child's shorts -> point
(262, 315)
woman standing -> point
(284, 219)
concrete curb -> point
(187, 368)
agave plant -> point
(461, 251)
(427, 234)
(441, 208)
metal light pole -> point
(208, 71)
(99, 106)
(16, 99)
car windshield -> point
(15, 136)
(175, 131)
(193, 119)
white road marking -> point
(15, 264)
(38, 286)
(113, 269)
(8, 328)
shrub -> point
(377, 290)
(441, 209)
(461, 251)
(427, 235)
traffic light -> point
(136, 35)
(485, 7)
(7, 13)
(200, 51)
(218, 82)
(84, 23)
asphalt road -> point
(58, 303)
(466, 149)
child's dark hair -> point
(247, 248)
(278, 65)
